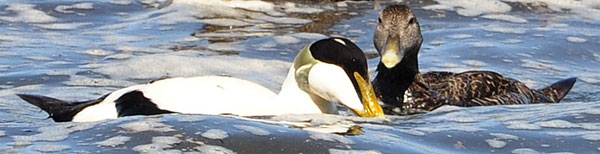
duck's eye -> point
(379, 19)
(412, 20)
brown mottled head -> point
(397, 35)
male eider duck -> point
(404, 90)
(325, 72)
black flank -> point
(134, 103)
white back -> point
(210, 95)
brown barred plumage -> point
(428, 91)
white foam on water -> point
(446, 108)
(58, 38)
(558, 124)
(524, 151)
(590, 126)
(146, 125)
(225, 22)
(512, 41)
(576, 39)
(253, 5)
(411, 132)
(85, 66)
(4, 67)
(59, 62)
(341, 4)
(63, 26)
(253, 130)
(50, 148)
(127, 48)
(545, 145)
(504, 29)
(461, 36)
(521, 125)
(118, 39)
(472, 8)
(2, 133)
(215, 134)
(120, 56)
(97, 52)
(593, 79)
(7, 54)
(438, 7)
(52, 133)
(17, 39)
(286, 39)
(77, 80)
(213, 149)
(269, 73)
(39, 58)
(27, 13)
(341, 151)
(596, 55)
(284, 20)
(311, 36)
(524, 55)
(159, 144)
(376, 127)
(588, 9)
(190, 118)
(495, 143)
(504, 17)
(447, 65)
(121, 2)
(70, 8)
(21, 89)
(504, 136)
(114, 141)
(565, 133)
(294, 8)
(329, 137)
(591, 137)
(474, 63)
(155, 3)
(541, 65)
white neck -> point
(299, 101)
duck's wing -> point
(478, 88)
(473, 88)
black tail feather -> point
(557, 91)
(59, 110)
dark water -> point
(78, 50)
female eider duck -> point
(404, 90)
(323, 73)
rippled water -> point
(79, 50)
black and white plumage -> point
(326, 72)
(403, 89)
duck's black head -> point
(398, 40)
(335, 69)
